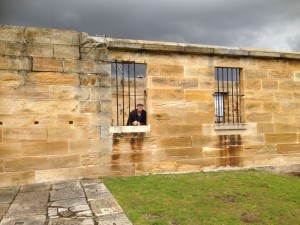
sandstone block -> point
(271, 106)
(259, 117)
(40, 50)
(166, 94)
(294, 65)
(204, 141)
(101, 145)
(265, 128)
(269, 160)
(184, 130)
(199, 117)
(2, 48)
(250, 73)
(174, 83)
(296, 75)
(271, 85)
(253, 150)
(25, 120)
(100, 119)
(0, 135)
(12, 33)
(252, 85)
(289, 85)
(73, 133)
(174, 142)
(225, 61)
(44, 148)
(106, 107)
(64, 120)
(29, 91)
(66, 52)
(9, 150)
(280, 74)
(8, 77)
(65, 161)
(293, 159)
(7, 105)
(15, 49)
(68, 92)
(285, 127)
(283, 96)
(94, 54)
(45, 106)
(90, 106)
(165, 70)
(113, 170)
(90, 80)
(212, 152)
(52, 78)
(198, 95)
(273, 64)
(289, 106)
(15, 63)
(60, 174)
(51, 36)
(281, 138)
(288, 148)
(80, 66)
(253, 106)
(24, 134)
(47, 64)
(258, 96)
(92, 145)
(100, 93)
(229, 162)
(196, 164)
(19, 178)
(284, 117)
(204, 73)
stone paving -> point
(84, 202)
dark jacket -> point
(133, 116)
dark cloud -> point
(241, 23)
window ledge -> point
(129, 129)
(239, 126)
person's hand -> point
(138, 123)
(135, 123)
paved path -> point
(85, 202)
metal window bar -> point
(228, 84)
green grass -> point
(239, 197)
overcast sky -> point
(273, 24)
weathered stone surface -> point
(68, 92)
(105, 206)
(24, 220)
(66, 120)
(79, 208)
(66, 203)
(265, 128)
(15, 63)
(31, 91)
(60, 174)
(259, 117)
(118, 218)
(66, 52)
(281, 138)
(270, 85)
(40, 50)
(52, 78)
(9, 150)
(8, 194)
(100, 93)
(280, 74)
(67, 221)
(80, 66)
(51, 36)
(44, 148)
(165, 70)
(96, 191)
(29, 203)
(74, 191)
(113, 170)
(73, 133)
(24, 134)
(259, 150)
(9, 77)
(52, 212)
(47, 64)
(35, 188)
(3, 209)
(89, 80)
(19, 178)
(90, 106)
(174, 83)
(12, 33)
(288, 148)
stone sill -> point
(129, 129)
(239, 126)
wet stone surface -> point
(85, 202)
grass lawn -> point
(238, 197)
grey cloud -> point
(241, 23)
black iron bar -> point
(218, 98)
(223, 106)
(123, 85)
(134, 77)
(227, 95)
(117, 93)
(232, 103)
(129, 88)
(237, 94)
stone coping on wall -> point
(129, 129)
(167, 47)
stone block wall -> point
(55, 104)
(56, 108)
(181, 109)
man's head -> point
(140, 106)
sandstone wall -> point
(56, 108)
(55, 104)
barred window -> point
(128, 85)
(228, 97)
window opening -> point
(128, 88)
(228, 97)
